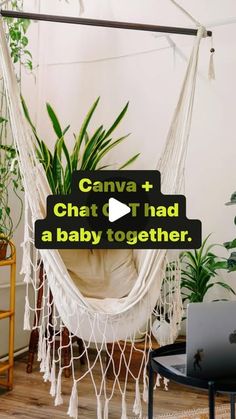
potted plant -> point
(16, 30)
(10, 182)
(87, 152)
(231, 262)
(198, 272)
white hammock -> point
(94, 320)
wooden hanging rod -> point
(102, 23)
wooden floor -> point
(30, 398)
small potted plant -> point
(10, 181)
(198, 273)
(231, 262)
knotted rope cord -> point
(77, 312)
(186, 13)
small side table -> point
(212, 386)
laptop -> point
(211, 342)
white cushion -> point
(105, 273)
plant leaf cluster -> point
(198, 273)
(87, 153)
(231, 261)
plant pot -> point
(3, 249)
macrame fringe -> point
(27, 314)
(40, 344)
(211, 70)
(25, 266)
(26, 258)
(47, 374)
(166, 381)
(44, 354)
(58, 399)
(106, 409)
(124, 408)
(158, 379)
(99, 408)
(73, 405)
(81, 7)
(53, 380)
(145, 389)
(137, 407)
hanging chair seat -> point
(105, 319)
(101, 274)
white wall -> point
(72, 73)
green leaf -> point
(225, 286)
(130, 161)
(27, 52)
(87, 120)
(230, 245)
(117, 121)
(25, 24)
(57, 167)
(29, 64)
(24, 41)
(55, 122)
(105, 151)
(27, 115)
(82, 134)
(46, 156)
(89, 147)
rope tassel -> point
(47, 374)
(99, 408)
(145, 390)
(137, 408)
(124, 408)
(105, 413)
(158, 384)
(166, 381)
(81, 7)
(27, 314)
(73, 406)
(43, 354)
(53, 380)
(59, 399)
(211, 70)
(40, 344)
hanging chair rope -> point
(99, 323)
(186, 13)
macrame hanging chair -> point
(99, 321)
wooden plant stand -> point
(9, 313)
(34, 335)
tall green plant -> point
(199, 269)
(10, 180)
(87, 153)
(231, 262)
